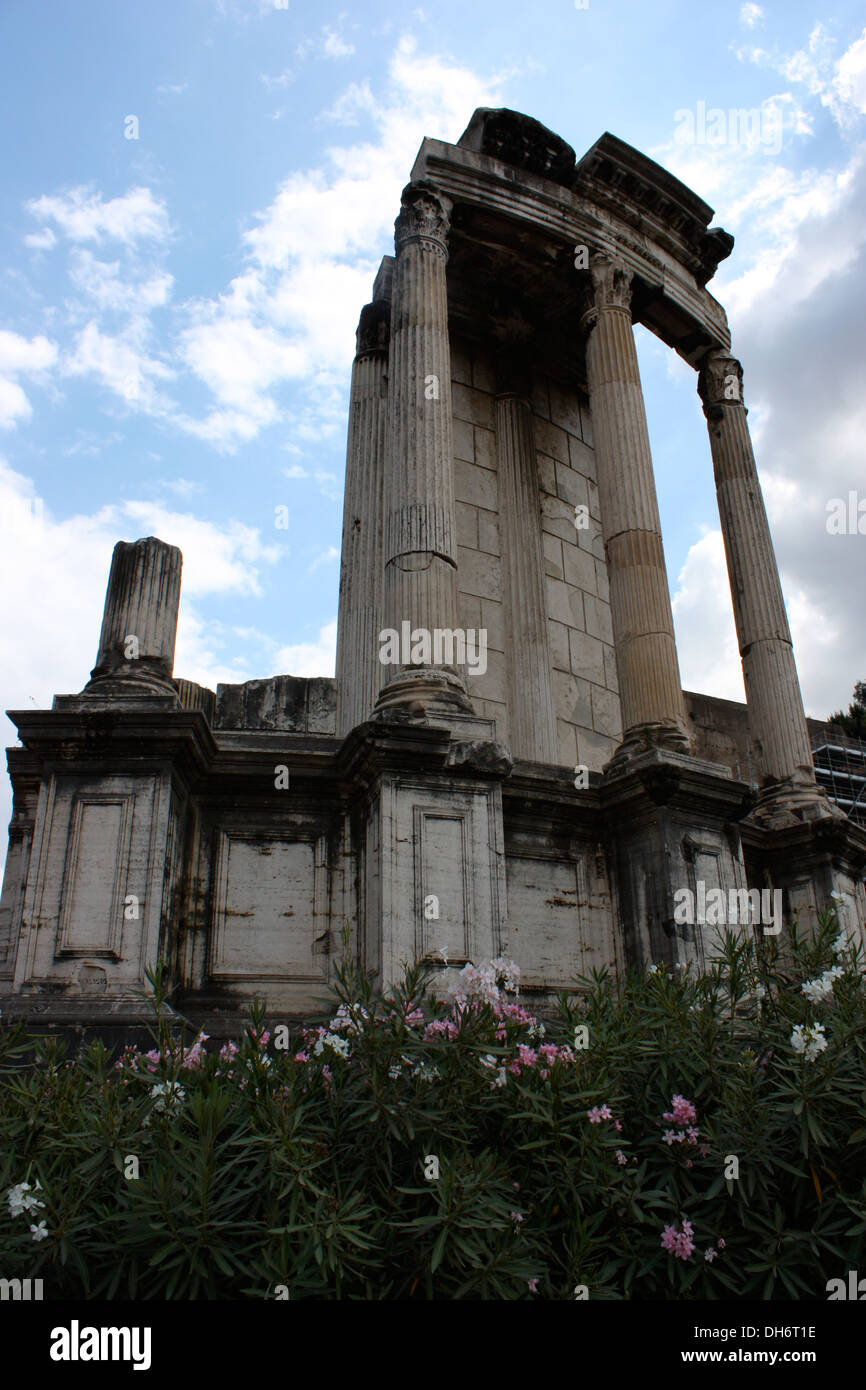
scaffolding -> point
(840, 769)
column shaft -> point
(776, 717)
(532, 723)
(359, 671)
(420, 532)
(649, 679)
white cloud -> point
(111, 289)
(41, 241)
(20, 356)
(327, 557)
(83, 215)
(290, 315)
(120, 363)
(310, 658)
(333, 46)
(750, 14)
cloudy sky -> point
(195, 197)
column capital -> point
(373, 328)
(608, 287)
(424, 218)
(720, 382)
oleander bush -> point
(667, 1137)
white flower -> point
(809, 1040)
(488, 982)
(500, 1079)
(654, 969)
(760, 991)
(337, 1044)
(349, 1018)
(820, 990)
(21, 1199)
(166, 1094)
(39, 1232)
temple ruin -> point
(506, 761)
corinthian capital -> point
(608, 287)
(424, 216)
(611, 282)
(720, 382)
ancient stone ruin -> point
(506, 762)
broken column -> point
(420, 537)
(653, 714)
(139, 624)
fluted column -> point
(139, 624)
(359, 671)
(777, 721)
(651, 697)
(420, 535)
(532, 723)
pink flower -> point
(710, 1255)
(533, 1285)
(617, 1126)
(669, 1137)
(516, 1217)
(682, 1113)
(301, 1057)
(621, 1158)
(679, 1243)
(597, 1114)
(721, 1244)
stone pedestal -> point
(650, 688)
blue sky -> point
(177, 310)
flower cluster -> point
(486, 983)
(809, 1040)
(167, 1095)
(22, 1200)
(683, 1114)
(819, 991)
(679, 1243)
(187, 1058)
(349, 1018)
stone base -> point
(423, 688)
(643, 738)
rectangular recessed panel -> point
(92, 911)
(443, 884)
(265, 913)
(544, 919)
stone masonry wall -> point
(578, 610)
